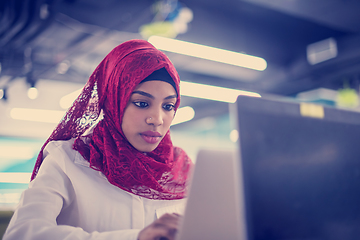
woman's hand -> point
(164, 228)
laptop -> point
(300, 164)
(213, 211)
(296, 175)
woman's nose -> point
(154, 118)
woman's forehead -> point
(156, 86)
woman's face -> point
(148, 114)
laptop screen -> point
(301, 173)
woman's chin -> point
(147, 149)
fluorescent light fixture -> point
(37, 115)
(12, 198)
(183, 114)
(321, 51)
(67, 100)
(221, 94)
(15, 177)
(16, 152)
(208, 53)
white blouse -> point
(69, 200)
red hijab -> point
(160, 174)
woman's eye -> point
(168, 107)
(141, 104)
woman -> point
(120, 178)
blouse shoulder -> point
(64, 149)
(59, 146)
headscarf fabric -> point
(160, 174)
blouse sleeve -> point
(40, 205)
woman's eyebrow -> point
(171, 96)
(144, 94)
(151, 96)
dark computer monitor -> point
(300, 164)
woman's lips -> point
(151, 137)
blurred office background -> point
(304, 50)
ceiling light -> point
(3, 94)
(183, 114)
(63, 67)
(16, 152)
(32, 93)
(10, 198)
(321, 51)
(234, 135)
(209, 53)
(209, 92)
(37, 115)
(15, 177)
